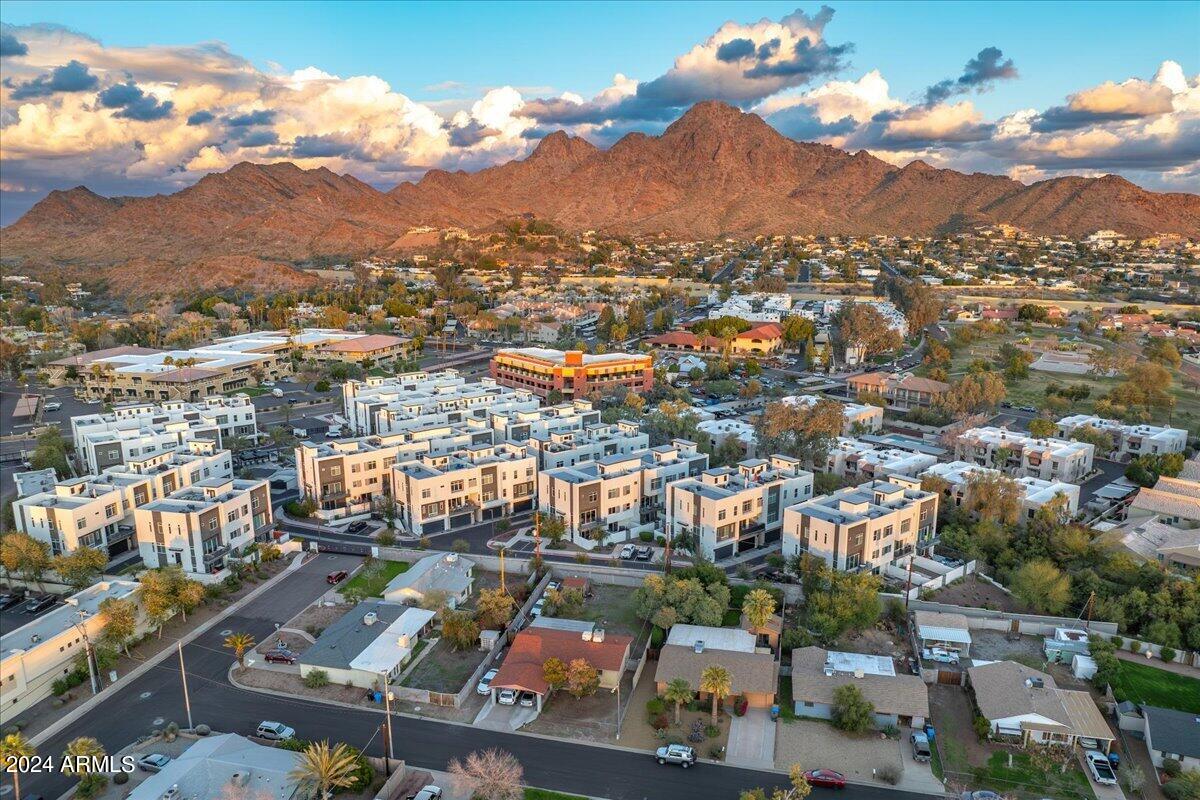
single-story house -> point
(947, 631)
(1172, 734)
(374, 638)
(209, 767)
(690, 649)
(522, 669)
(899, 700)
(1025, 705)
(440, 572)
(768, 635)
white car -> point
(1101, 769)
(153, 762)
(553, 586)
(627, 551)
(53, 405)
(428, 793)
(485, 683)
(507, 697)
(275, 731)
(939, 655)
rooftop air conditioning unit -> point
(598, 635)
(587, 636)
(370, 618)
(698, 647)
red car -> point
(280, 657)
(826, 778)
(336, 577)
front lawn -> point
(373, 578)
(1023, 777)
(1144, 684)
(546, 794)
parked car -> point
(153, 762)
(53, 405)
(337, 577)
(39, 604)
(627, 551)
(280, 655)
(527, 699)
(507, 697)
(12, 598)
(825, 778)
(538, 607)
(679, 754)
(1101, 769)
(428, 793)
(920, 747)
(277, 392)
(1027, 409)
(553, 586)
(275, 731)
(939, 655)
(357, 528)
(644, 553)
(981, 794)
(484, 687)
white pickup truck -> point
(1099, 766)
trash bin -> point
(775, 712)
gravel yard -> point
(818, 745)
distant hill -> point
(715, 171)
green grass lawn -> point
(1142, 683)
(546, 794)
(1025, 779)
(374, 578)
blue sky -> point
(1035, 89)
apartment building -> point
(131, 432)
(371, 350)
(434, 494)
(349, 477)
(224, 365)
(571, 373)
(903, 392)
(728, 510)
(199, 528)
(863, 527)
(36, 654)
(859, 418)
(857, 461)
(566, 448)
(97, 510)
(395, 404)
(1129, 441)
(1021, 455)
(1035, 491)
(604, 501)
(519, 425)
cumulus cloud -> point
(133, 103)
(200, 117)
(980, 73)
(11, 46)
(1108, 102)
(70, 77)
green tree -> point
(554, 672)
(582, 678)
(852, 712)
(494, 608)
(322, 769)
(14, 746)
(460, 629)
(239, 643)
(1042, 427)
(678, 692)
(718, 682)
(758, 606)
(119, 617)
(80, 567)
(1042, 586)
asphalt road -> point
(157, 698)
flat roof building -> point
(1021, 455)
(1035, 492)
(573, 374)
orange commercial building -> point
(572, 373)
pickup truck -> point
(1102, 771)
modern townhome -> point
(1035, 492)
(859, 418)
(900, 701)
(34, 655)
(368, 646)
(448, 574)
(727, 510)
(199, 528)
(518, 425)
(606, 500)
(856, 461)
(482, 482)
(130, 432)
(902, 391)
(97, 510)
(863, 527)
(1021, 455)
(690, 649)
(1025, 706)
(416, 400)
(566, 448)
(349, 477)
(1129, 441)
(572, 373)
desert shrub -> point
(121, 778)
(795, 637)
(1172, 767)
(655, 706)
(712, 731)
(646, 536)
(202, 730)
(316, 679)
(889, 774)
(983, 728)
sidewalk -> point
(1158, 663)
(166, 652)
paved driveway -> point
(504, 718)
(752, 740)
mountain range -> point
(716, 171)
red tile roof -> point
(365, 344)
(685, 339)
(767, 330)
(522, 668)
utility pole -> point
(502, 587)
(387, 705)
(537, 535)
(187, 701)
(1090, 602)
(908, 583)
(88, 656)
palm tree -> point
(717, 681)
(322, 768)
(15, 746)
(239, 643)
(758, 607)
(678, 691)
(85, 747)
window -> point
(110, 510)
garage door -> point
(460, 521)
(949, 676)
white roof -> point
(940, 634)
(734, 639)
(852, 663)
(395, 643)
(207, 768)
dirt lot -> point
(612, 608)
(592, 718)
(996, 646)
(444, 669)
(876, 642)
(977, 593)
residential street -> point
(157, 698)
